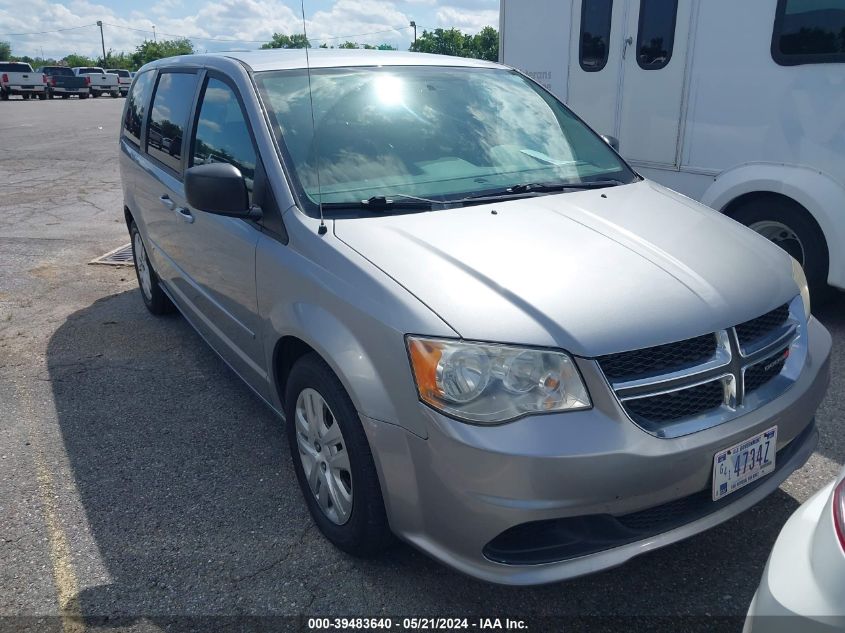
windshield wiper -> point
(383, 203)
(535, 188)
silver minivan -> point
(486, 334)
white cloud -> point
(251, 21)
(467, 19)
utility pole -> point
(414, 24)
(154, 34)
(103, 42)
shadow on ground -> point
(189, 493)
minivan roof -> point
(294, 58)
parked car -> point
(124, 79)
(803, 585)
(484, 330)
(18, 78)
(735, 104)
(99, 81)
(62, 82)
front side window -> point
(595, 34)
(136, 105)
(168, 117)
(222, 133)
(809, 32)
(437, 133)
(656, 34)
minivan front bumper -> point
(576, 477)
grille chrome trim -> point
(728, 364)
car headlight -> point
(801, 281)
(491, 384)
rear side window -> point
(656, 35)
(15, 67)
(222, 132)
(809, 32)
(595, 34)
(90, 71)
(136, 105)
(172, 102)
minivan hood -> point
(592, 272)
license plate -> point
(744, 463)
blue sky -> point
(241, 24)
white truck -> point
(124, 79)
(18, 78)
(101, 82)
(740, 105)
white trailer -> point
(740, 105)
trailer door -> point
(654, 55)
(595, 68)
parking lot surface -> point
(141, 481)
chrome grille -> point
(679, 388)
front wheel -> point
(790, 226)
(154, 298)
(332, 460)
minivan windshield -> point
(433, 132)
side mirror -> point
(611, 140)
(218, 188)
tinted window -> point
(656, 36)
(168, 117)
(595, 33)
(222, 133)
(136, 106)
(809, 32)
(119, 73)
(15, 67)
(90, 71)
(57, 71)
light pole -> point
(154, 33)
(414, 24)
(103, 42)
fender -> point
(371, 390)
(815, 190)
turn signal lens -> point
(490, 384)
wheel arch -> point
(819, 194)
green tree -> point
(279, 40)
(149, 50)
(349, 45)
(483, 45)
(386, 47)
(75, 59)
(5, 50)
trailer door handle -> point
(628, 42)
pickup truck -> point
(124, 80)
(101, 82)
(18, 78)
(62, 82)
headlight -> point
(491, 384)
(801, 280)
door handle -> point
(628, 42)
(166, 201)
(184, 214)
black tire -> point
(810, 247)
(63, 96)
(42, 96)
(95, 94)
(25, 97)
(83, 96)
(4, 96)
(366, 532)
(157, 302)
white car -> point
(805, 576)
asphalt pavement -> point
(144, 487)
